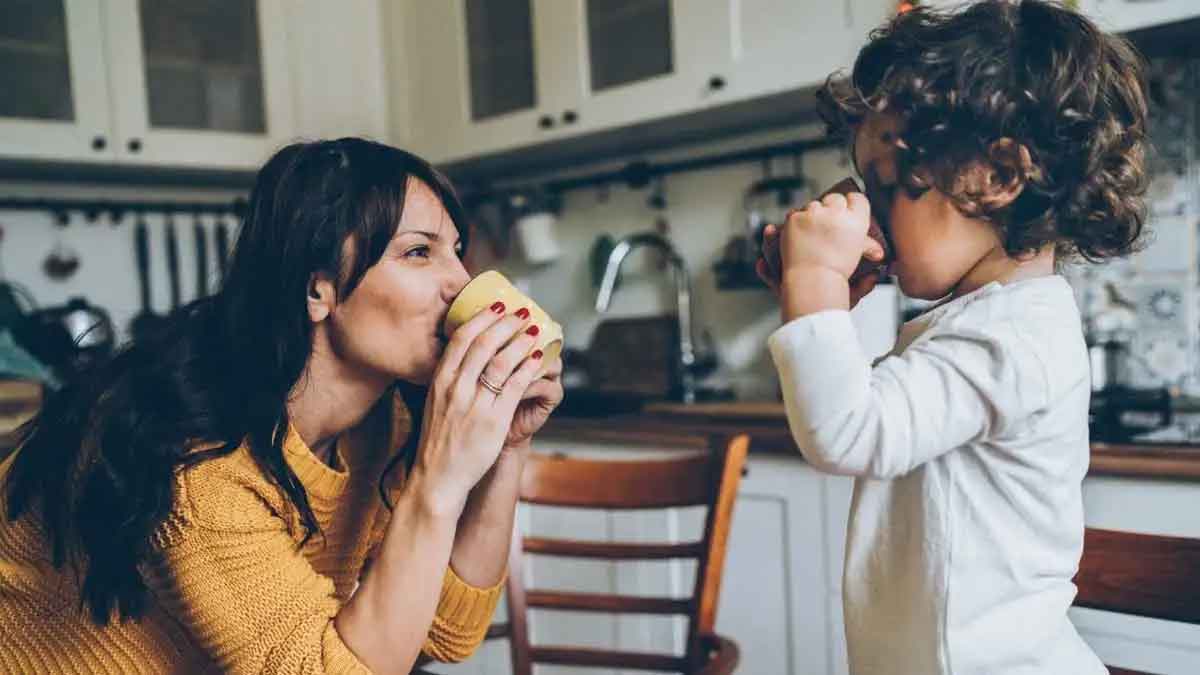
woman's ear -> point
(322, 297)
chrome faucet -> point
(683, 298)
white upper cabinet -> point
(1125, 15)
(779, 45)
(198, 83)
(493, 75)
(148, 82)
(638, 60)
(481, 74)
(55, 89)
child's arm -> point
(939, 394)
(942, 392)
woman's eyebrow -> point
(432, 236)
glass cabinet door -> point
(35, 63)
(500, 56)
(53, 97)
(202, 65)
(199, 83)
(628, 41)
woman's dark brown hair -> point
(1029, 71)
(97, 465)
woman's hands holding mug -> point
(485, 375)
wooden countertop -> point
(692, 426)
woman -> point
(299, 474)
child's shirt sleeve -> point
(946, 389)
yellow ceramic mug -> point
(490, 287)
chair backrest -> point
(1140, 574)
(1143, 574)
(707, 479)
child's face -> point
(935, 245)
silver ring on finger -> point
(487, 384)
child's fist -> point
(874, 255)
(828, 234)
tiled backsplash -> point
(1160, 286)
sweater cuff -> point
(464, 613)
(337, 657)
(465, 605)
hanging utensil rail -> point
(117, 208)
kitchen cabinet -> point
(171, 83)
(1121, 15)
(1125, 15)
(772, 46)
(492, 75)
(52, 73)
(198, 84)
(488, 76)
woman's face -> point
(935, 245)
(391, 324)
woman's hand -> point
(539, 400)
(466, 423)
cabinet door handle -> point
(546, 122)
(99, 143)
(716, 83)
(135, 145)
(570, 117)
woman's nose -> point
(457, 278)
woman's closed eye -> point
(424, 251)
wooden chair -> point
(710, 479)
(1140, 574)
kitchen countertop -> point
(766, 423)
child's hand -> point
(865, 276)
(826, 235)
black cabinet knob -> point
(716, 82)
(99, 143)
(135, 145)
(570, 117)
(546, 122)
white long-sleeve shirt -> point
(969, 444)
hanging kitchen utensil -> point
(200, 236)
(146, 321)
(62, 261)
(767, 200)
(173, 260)
(222, 242)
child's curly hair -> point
(1026, 70)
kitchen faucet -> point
(683, 298)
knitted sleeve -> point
(463, 615)
(227, 569)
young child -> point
(994, 142)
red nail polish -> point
(522, 313)
(532, 330)
(498, 307)
(537, 354)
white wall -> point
(107, 275)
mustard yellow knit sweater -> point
(230, 591)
